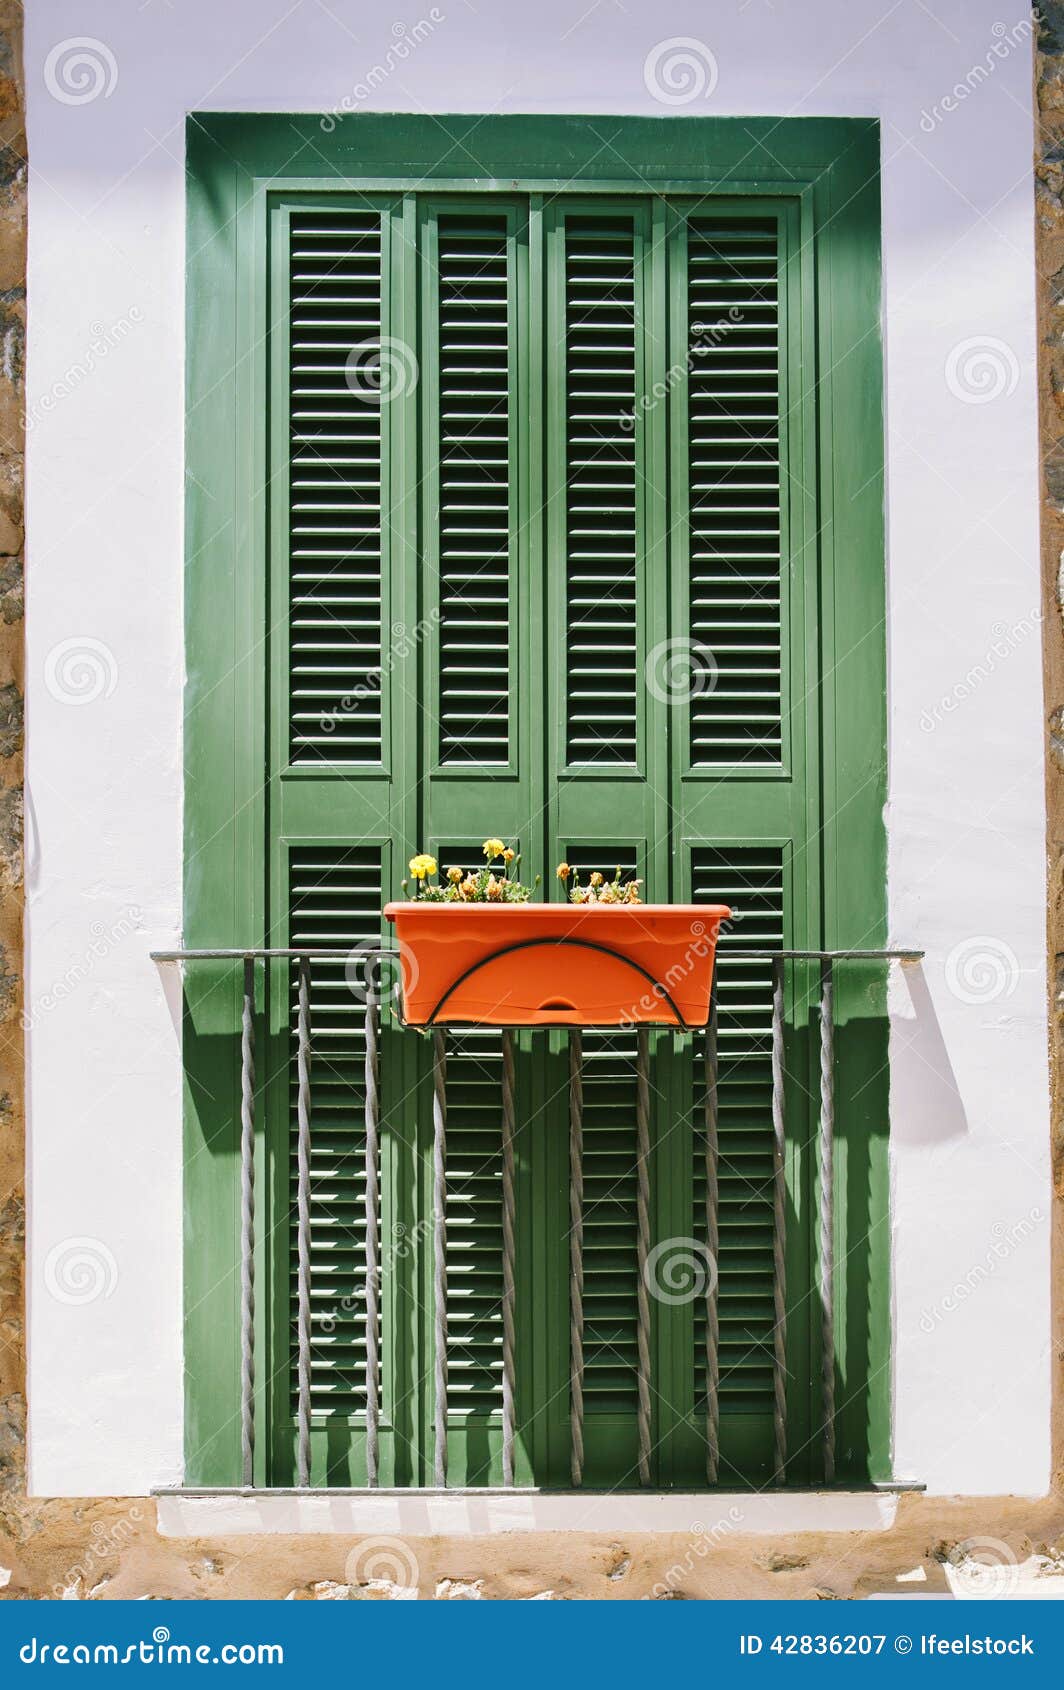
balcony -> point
(801, 988)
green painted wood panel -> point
(621, 407)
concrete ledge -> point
(427, 1513)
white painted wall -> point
(966, 812)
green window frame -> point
(244, 171)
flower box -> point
(566, 965)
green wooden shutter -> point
(476, 773)
(745, 779)
(528, 692)
(340, 720)
(739, 320)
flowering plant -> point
(598, 890)
(495, 883)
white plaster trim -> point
(454, 1514)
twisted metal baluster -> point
(508, 1371)
(576, 1256)
(642, 1132)
(247, 1226)
(779, 1231)
(303, 1223)
(827, 1213)
(712, 1245)
(372, 1207)
(439, 1208)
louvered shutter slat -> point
(750, 878)
(600, 401)
(734, 486)
(335, 270)
(474, 1222)
(610, 1186)
(474, 489)
(335, 899)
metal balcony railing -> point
(303, 957)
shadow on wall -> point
(926, 1104)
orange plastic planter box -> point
(566, 965)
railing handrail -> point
(322, 952)
(268, 951)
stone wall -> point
(106, 1548)
(102, 1550)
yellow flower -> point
(596, 879)
(563, 871)
(422, 865)
(494, 890)
(468, 887)
(508, 855)
(454, 874)
(494, 848)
